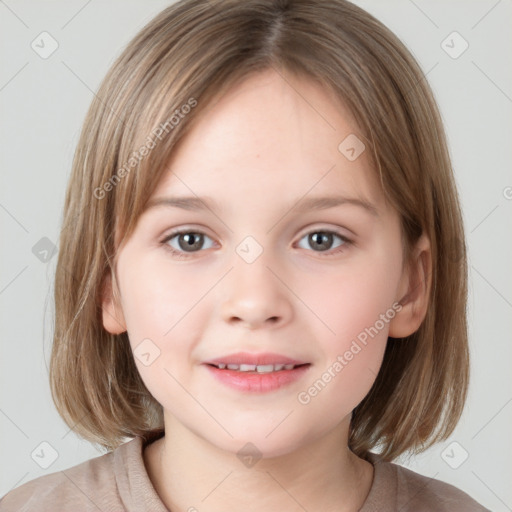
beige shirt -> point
(118, 482)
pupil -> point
(189, 242)
(321, 238)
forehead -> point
(271, 138)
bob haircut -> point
(188, 56)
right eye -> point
(185, 241)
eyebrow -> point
(195, 203)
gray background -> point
(42, 105)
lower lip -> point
(258, 382)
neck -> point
(191, 474)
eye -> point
(322, 241)
(182, 242)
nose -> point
(254, 297)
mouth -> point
(257, 368)
(257, 373)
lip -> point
(253, 382)
(257, 359)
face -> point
(258, 269)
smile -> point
(257, 378)
(260, 368)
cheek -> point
(156, 304)
(354, 297)
(164, 311)
(157, 296)
(356, 306)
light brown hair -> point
(195, 50)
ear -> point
(112, 312)
(413, 291)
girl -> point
(258, 305)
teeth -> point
(265, 368)
(261, 368)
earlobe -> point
(414, 293)
(112, 312)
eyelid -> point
(202, 231)
(347, 241)
(344, 233)
(331, 229)
(184, 230)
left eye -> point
(323, 240)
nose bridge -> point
(253, 295)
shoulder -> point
(90, 485)
(413, 492)
(419, 492)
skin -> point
(258, 151)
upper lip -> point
(254, 359)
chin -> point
(257, 443)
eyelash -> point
(325, 254)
